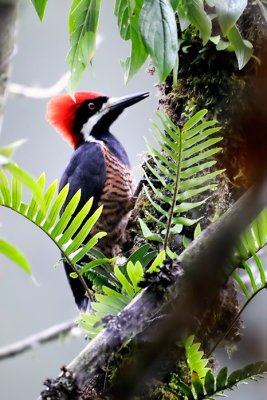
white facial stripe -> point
(89, 125)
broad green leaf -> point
(157, 263)
(185, 389)
(135, 273)
(209, 383)
(123, 12)
(197, 231)
(182, 15)
(147, 232)
(159, 33)
(197, 385)
(174, 4)
(9, 150)
(139, 254)
(39, 6)
(228, 12)
(138, 51)
(198, 17)
(93, 264)
(14, 255)
(243, 48)
(83, 25)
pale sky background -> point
(25, 307)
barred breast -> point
(117, 201)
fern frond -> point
(215, 385)
(196, 363)
(44, 210)
(253, 276)
(113, 300)
(181, 167)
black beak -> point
(127, 101)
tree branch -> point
(39, 92)
(45, 336)
(200, 271)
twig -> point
(33, 341)
(39, 92)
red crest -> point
(61, 111)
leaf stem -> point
(235, 320)
(176, 188)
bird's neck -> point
(112, 144)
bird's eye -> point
(91, 106)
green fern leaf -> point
(83, 233)
(182, 169)
(221, 379)
(67, 215)
(114, 299)
(48, 198)
(44, 211)
(4, 188)
(16, 193)
(55, 209)
(76, 222)
(196, 363)
(209, 383)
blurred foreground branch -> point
(180, 294)
(33, 341)
(8, 18)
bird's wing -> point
(86, 170)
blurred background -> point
(26, 307)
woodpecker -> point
(99, 166)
